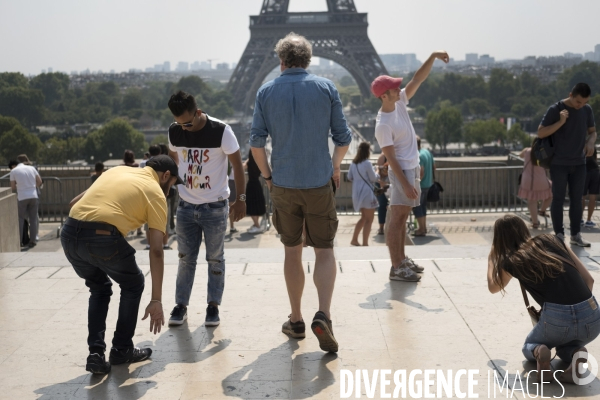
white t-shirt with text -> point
(395, 129)
(203, 160)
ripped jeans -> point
(193, 220)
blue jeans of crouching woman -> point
(568, 328)
(194, 221)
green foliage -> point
(594, 103)
(18, 141)
(160, 139)
(587, 71)
(444, 126)
(482, 132)
(502, 87)
(222, 110)
(346, 81)
(24, 104)
(372, 104)
(13, 79)
(517, 137)
(7, 123)
(54, 151)
(54, 86)
(114, 138)
(478, 108)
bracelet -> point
(269, 178)
(155, 301)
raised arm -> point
(423, 72)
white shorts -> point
(397, 195)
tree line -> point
(50, 99)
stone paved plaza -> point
(448, 321)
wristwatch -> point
(242, 197)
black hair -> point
(12, 164)
(163, 149)
(581, 89)
(154, 150)
(181, 102)
(99, 167)
(128, 157)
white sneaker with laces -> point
(255, 229)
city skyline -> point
(64, 37)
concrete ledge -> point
(9, 221)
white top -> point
(24, 176)
(203, 160)
(363, 178)
(395, 129)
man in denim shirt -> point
(298, 110)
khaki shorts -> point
(397, 195)
(314, 208)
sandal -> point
(543, 214)
(536, 225)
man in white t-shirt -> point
(24, 179)
(396, 137)
(202, 145)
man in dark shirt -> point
(571, 124)
(591, 188)
(98, 170)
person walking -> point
(93, 239)
(591, 188)
(570, 122)
(298, 110)
(557, 280)
(535, 187)
(255, 199)
(363, 178)
(25, 180)
(396, 137)
(427, 166)
(202, 146)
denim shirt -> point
(298, 110)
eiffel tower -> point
(339, 35)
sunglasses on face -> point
(187, 124)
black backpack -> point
(542, 149)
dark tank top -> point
(567, 288)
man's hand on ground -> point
(157, 317)
(237, 210)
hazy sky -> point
(72, 35)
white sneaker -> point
(578, 241)
(404, 274)
(254, 229)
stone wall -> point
(9, 222)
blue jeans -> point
(421, 209)
(193, 220)
(574, 176)
(95, 258)
(383, 203)
(568, 328)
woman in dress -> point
(558, 282)
(535, 186)
(363, 178)
(255, 198)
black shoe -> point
(212, 316)
(321, 327)
(96, 364)
(178, 315)
(130, 355)
(32, 245)
(294, 329)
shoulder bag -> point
(433, 195)
(376, 191)
(542, 149)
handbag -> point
(542, 149)
(376, 191)
(433, 194)
(534, 314)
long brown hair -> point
(525, 258)
(363, 153)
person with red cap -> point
(396, 137)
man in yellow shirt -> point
(120, 200)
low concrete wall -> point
(9, 222)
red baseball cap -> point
(383, 83)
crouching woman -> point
(570, 317)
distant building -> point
(472, 58)
(182, 66)
(485, 59)
(50, 70)
(400, 62)
(529, 61)
(166, 67)
(222, 66)
(590, 56)
(573, 55)
(205, 66)
(195, 66)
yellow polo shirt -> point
(125, 197)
